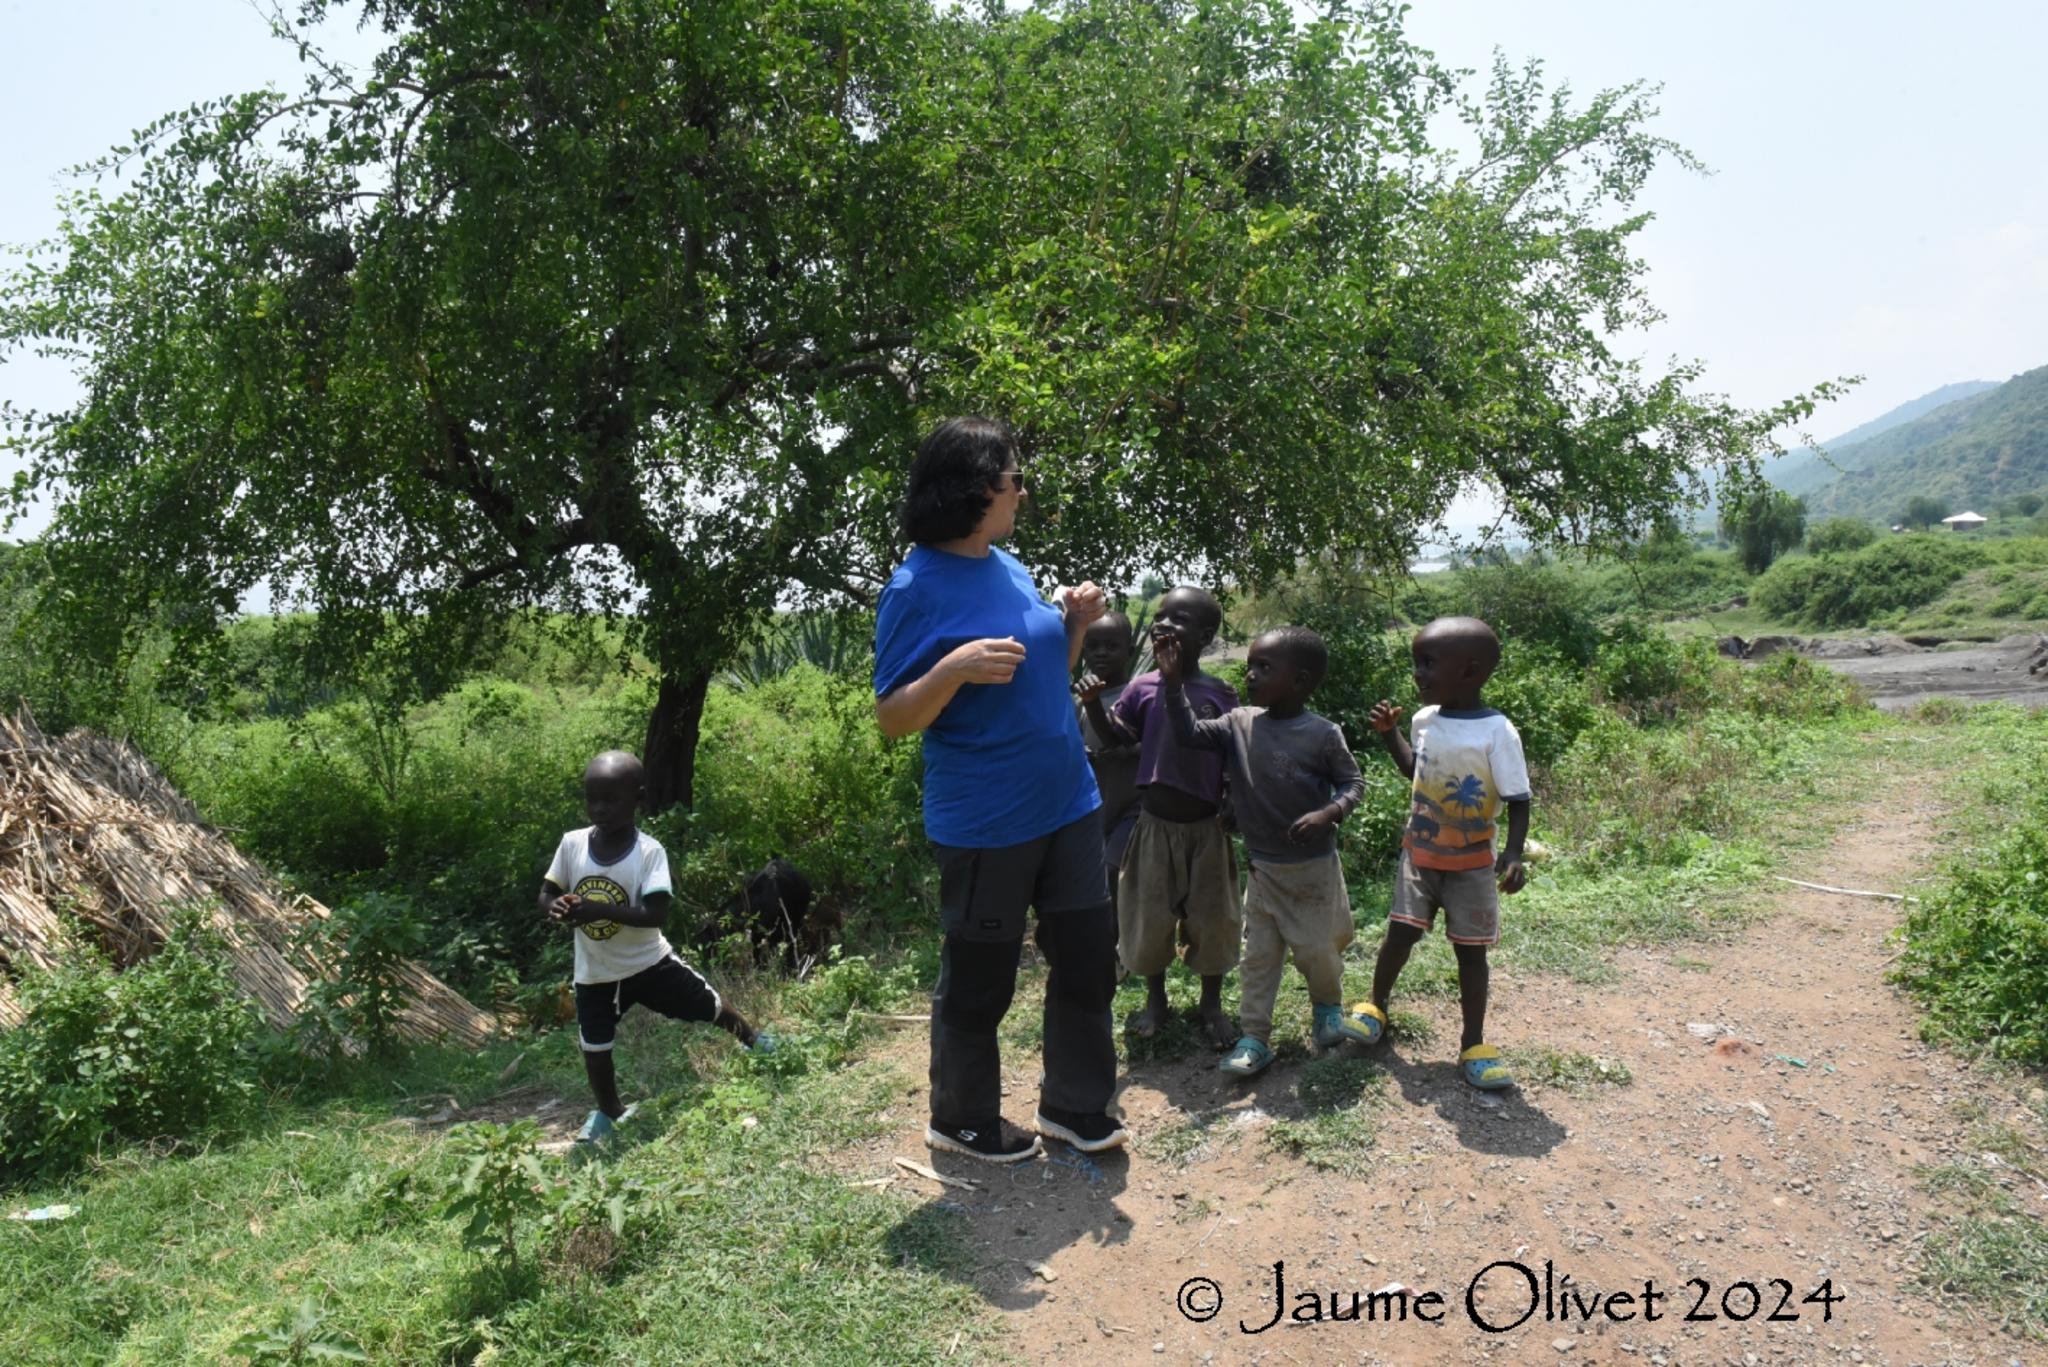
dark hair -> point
(1212, 610)
(1303, 648)
(1114, 619)
(958, 469)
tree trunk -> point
(671, 750)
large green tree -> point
(1762, 522)
(636, 307)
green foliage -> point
(1840, 535)
(1534, 602)
(158, 1051)
(498, 1182)
(795, 766)
(1763, 523)
(1922, 512)
(1638, 668)
(1977, 948)
(1547, 698)
(1895, 573)
(304, 1338)
(618, 258)
(357, 957)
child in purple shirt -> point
(1178, 879)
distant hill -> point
(1971, 452)
(1802, 471)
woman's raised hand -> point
(991, 660)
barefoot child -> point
(1179, 875)
(610, 882)
(1106, 651)
(1467, 764)
(1292, 779)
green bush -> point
(1840, 535)
(1529, 603)
(1849, 590)
(159, 1051)
(1548, 698)
(357, 957)
(1977, 948)
(1665, 580)
(1639, 669)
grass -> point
(1988, 1249)
(1567, 1070)
(742, 1247)
(1341, 1099)
(746, 1245)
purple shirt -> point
(1162, 759)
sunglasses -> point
(1015, 482)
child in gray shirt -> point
(1292, 779)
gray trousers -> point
(983, 897)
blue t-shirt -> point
(1003, 763)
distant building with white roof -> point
(1965, 522)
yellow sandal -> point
(1482, 1068)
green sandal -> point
(1482, 1068)
(1247, 1058)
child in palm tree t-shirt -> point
(1467, 765)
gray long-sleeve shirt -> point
(1280, 771)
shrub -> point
(1547, 697)
(1848, 590)
(1628, 795)
(158, 1051)
(1977, 948)
(1639, 669)
(356, 957)
(1840, 535)
(1530, 603)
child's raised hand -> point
(1089, 688)
(1509, 872)
(1385, 716)
(1166, 653)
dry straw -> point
(89, 829)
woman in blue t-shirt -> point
(967, 652)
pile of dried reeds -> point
(90, 829)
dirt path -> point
(1719, 1162)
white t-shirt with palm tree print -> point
(1468, 764)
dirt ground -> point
(1725, 1160)
(1898, 674)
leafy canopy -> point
(638, 308)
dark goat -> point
(774, 909)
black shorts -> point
(984, 893)
(671, 987)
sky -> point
(1877, 204)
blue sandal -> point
(1247, 1058)
(1482, 1068)
(1333, 1027)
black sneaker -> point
(998, 1141)
(1088, 1133)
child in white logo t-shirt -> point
(610, 882)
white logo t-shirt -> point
(605, 950)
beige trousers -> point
(1301, 909)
